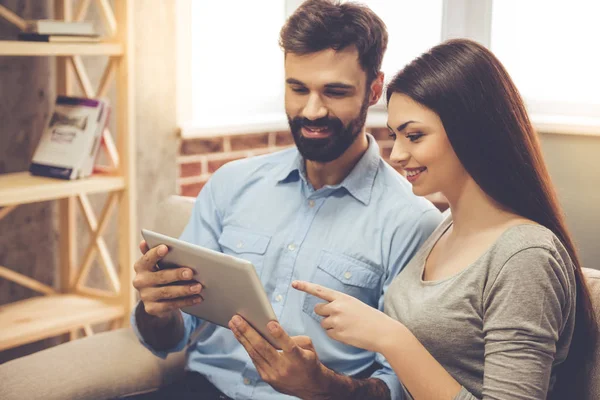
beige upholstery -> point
(114, 363)
(593, 280)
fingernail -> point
(272, 327)
(162, 250)
(295, 284)
(196, 288)
(237, 321)
(197, 300)
(187, 274)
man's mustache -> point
(317, 123)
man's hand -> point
(296, 370)
(160, 295)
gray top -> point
(501, 325)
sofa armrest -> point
(102, 366)
(592, 278)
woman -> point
(494, 304)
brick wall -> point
(199, 158)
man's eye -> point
(334, 93)
(299, 90)
(414, 137)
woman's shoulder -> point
(525, 236)
(530, 251)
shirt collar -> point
(359, 182)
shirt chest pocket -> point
(243, 243)
(347, 275)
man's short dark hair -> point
(327, 24)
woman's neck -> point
(473, 211)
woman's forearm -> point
(420, 373)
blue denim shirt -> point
(353, 237)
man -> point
(330, 211)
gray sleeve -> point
(523, 317)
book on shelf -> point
(58, 27)
(70, 143)
(34, 37)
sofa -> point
(113, 364)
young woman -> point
(494, 305)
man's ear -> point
(376, 89)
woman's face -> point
(422, 149)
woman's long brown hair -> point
(488, 127)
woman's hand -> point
(349, 320)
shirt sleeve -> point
(525, 312)
(190, 324)
(203, 229)
(405, 241)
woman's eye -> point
(414, 137)
(392, 135)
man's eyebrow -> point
(293, 81)
(339, 85)
(401, 127)
(333, 85)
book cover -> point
(70, 142)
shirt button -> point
(278, 298)
(311, 203)
(247, 381)
(348, 275)
(240, 245)
(291, 247)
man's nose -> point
(314, 108)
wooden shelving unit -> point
(22, 187)
(20, 48)
(73, 307)
(29, 320)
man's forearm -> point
(160, 334)
(348, 388)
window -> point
(413, 27)
(230, 66)
(551, 51)
(234, 82)
(235, 60)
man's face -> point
(326, 101)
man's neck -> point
(334, 172)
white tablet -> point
(230, 285)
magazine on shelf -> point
(58, 27)
(34, 37)
(70, 143)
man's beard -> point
(332, 147)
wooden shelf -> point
(23, 48)
(75, 306)
(37, 318)
(22, 187)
